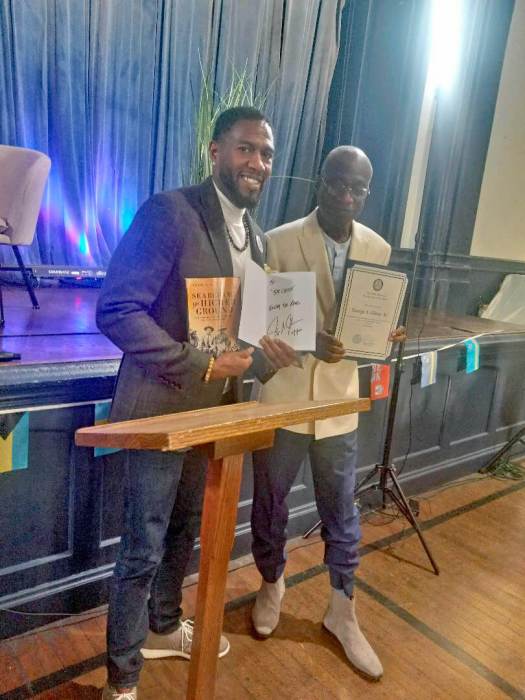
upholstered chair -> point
(23, 176)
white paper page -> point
(292, 309)
(281, 305)
(252, 325)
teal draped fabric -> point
(109, 88)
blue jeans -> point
(163, 505)
(333, 461)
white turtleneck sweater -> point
(233, 218)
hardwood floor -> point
(457, 635)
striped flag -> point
(14, 441)
(429, 362)
(379, 382)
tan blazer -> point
(296, 247)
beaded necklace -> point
(242, 248)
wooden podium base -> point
(226, 433)
(219, 516)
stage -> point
(63, 330)
(61, 505)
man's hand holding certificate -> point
(369, 312)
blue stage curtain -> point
(299, 102)
(376, 96)
(109, 89)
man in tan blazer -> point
(322, 242)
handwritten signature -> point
(286, 326)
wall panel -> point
(60, 517)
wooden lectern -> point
(225, 433)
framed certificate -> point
(369, 311)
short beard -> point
(230, 189)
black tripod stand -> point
(388, 482)
(518, 437)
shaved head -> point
(343, 188)
(344, 159)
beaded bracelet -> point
(209, 370)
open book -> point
(281, 305)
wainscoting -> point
(60, 516)
(458, 284)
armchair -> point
(23, 175)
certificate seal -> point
(377, 285)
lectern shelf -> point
(190, 428)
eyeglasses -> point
(339, 189)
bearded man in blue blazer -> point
(199, 231)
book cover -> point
(213, 313)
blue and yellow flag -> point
(102, 410)
(14, 441)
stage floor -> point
(64, 330)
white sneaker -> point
(177, 643)
(267, 608)
(341, 621)
(110, 693)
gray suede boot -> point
(341, 621)
(110, 693)
(267, 608)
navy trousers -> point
(333, 461)
(162, 512)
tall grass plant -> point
(240, 92)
